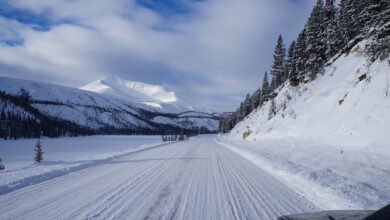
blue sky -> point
(210, 51)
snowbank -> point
(335, 178)
(330, 136)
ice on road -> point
(197, 179)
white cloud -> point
(221, 48)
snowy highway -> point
(196, 179)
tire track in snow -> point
(197, 179)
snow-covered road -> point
(197, 179)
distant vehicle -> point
(381, 214)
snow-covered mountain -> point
(156, 97)
(111, 110)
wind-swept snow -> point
(196, 179)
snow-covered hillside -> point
(156, 97)
(97, 111)
(329, 138)
(348, 105)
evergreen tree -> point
(315, 41)
(278, 69)
(38, 151)
(2, 116)
(377, 13)
(344, 20)
(256, 99)
(240, 113)
(297, 72)
(289, 59)
(332, 32)
(25, 96)
(265, 89)
(247, 106)
(272, 109)
(273, 85)
(379, 47)
(354, 17)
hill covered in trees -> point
(330, 33)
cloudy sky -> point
(212, 52)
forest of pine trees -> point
(329, 30)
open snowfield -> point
(196, 179)
(20, 153)
(62, 156)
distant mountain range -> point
(107, 106)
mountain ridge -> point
(24, 102)
(156, 97)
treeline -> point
(32, 124)
(19, 119)
(329, 31)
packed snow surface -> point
(331, 134)
(337, 178)
(195, 179)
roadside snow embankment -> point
(63, 156)
(329, 138)
(338, 178)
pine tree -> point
(352, 18)
(343, 20)
(377, 13)
(240, 113)
(272, 109)
(332, 32)
(2, 116)
(265, 90)
(278, 69)
(247, 106)
(38, 151)
(273, 85)
(289, 59)
(379, 47)
(315, 41)
(297, 72)
(256, 99)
